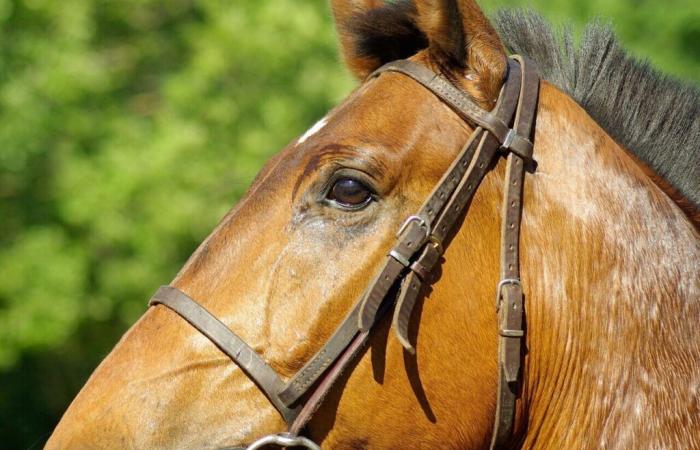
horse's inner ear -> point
(441, 22)
(373, 32)
(457, 33)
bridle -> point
(417, 250)
(419, 245)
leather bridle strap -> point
(509, 295)
(235, 348)
(462, 104)
(419, 245)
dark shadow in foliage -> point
(38, 389)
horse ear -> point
(456, 32)
(373, 32)
(462, 38)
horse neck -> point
(611, 271)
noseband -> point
(505, 130)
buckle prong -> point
(502, 283)
(421, 221)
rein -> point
(410, 262)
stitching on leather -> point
(309, 373)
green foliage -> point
(127, 129)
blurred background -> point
(128, 128)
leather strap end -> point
(410, 289)
(369, 307)
(511, 366)
(505, 414)
(426, 262)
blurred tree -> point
(127, 129)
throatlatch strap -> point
(245, 357)
(509, 295)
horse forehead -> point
(315, 128)
(378, 123)
(383, 113)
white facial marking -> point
(318, 126)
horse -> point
(608, 350)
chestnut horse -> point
(610, 258)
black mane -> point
(654, 116)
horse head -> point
(608, 268)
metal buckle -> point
(423, 224)
(421, 221)
(437, 244)
(502, 283)
(284, 440)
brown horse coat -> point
(610, 268)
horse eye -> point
(350, 193)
